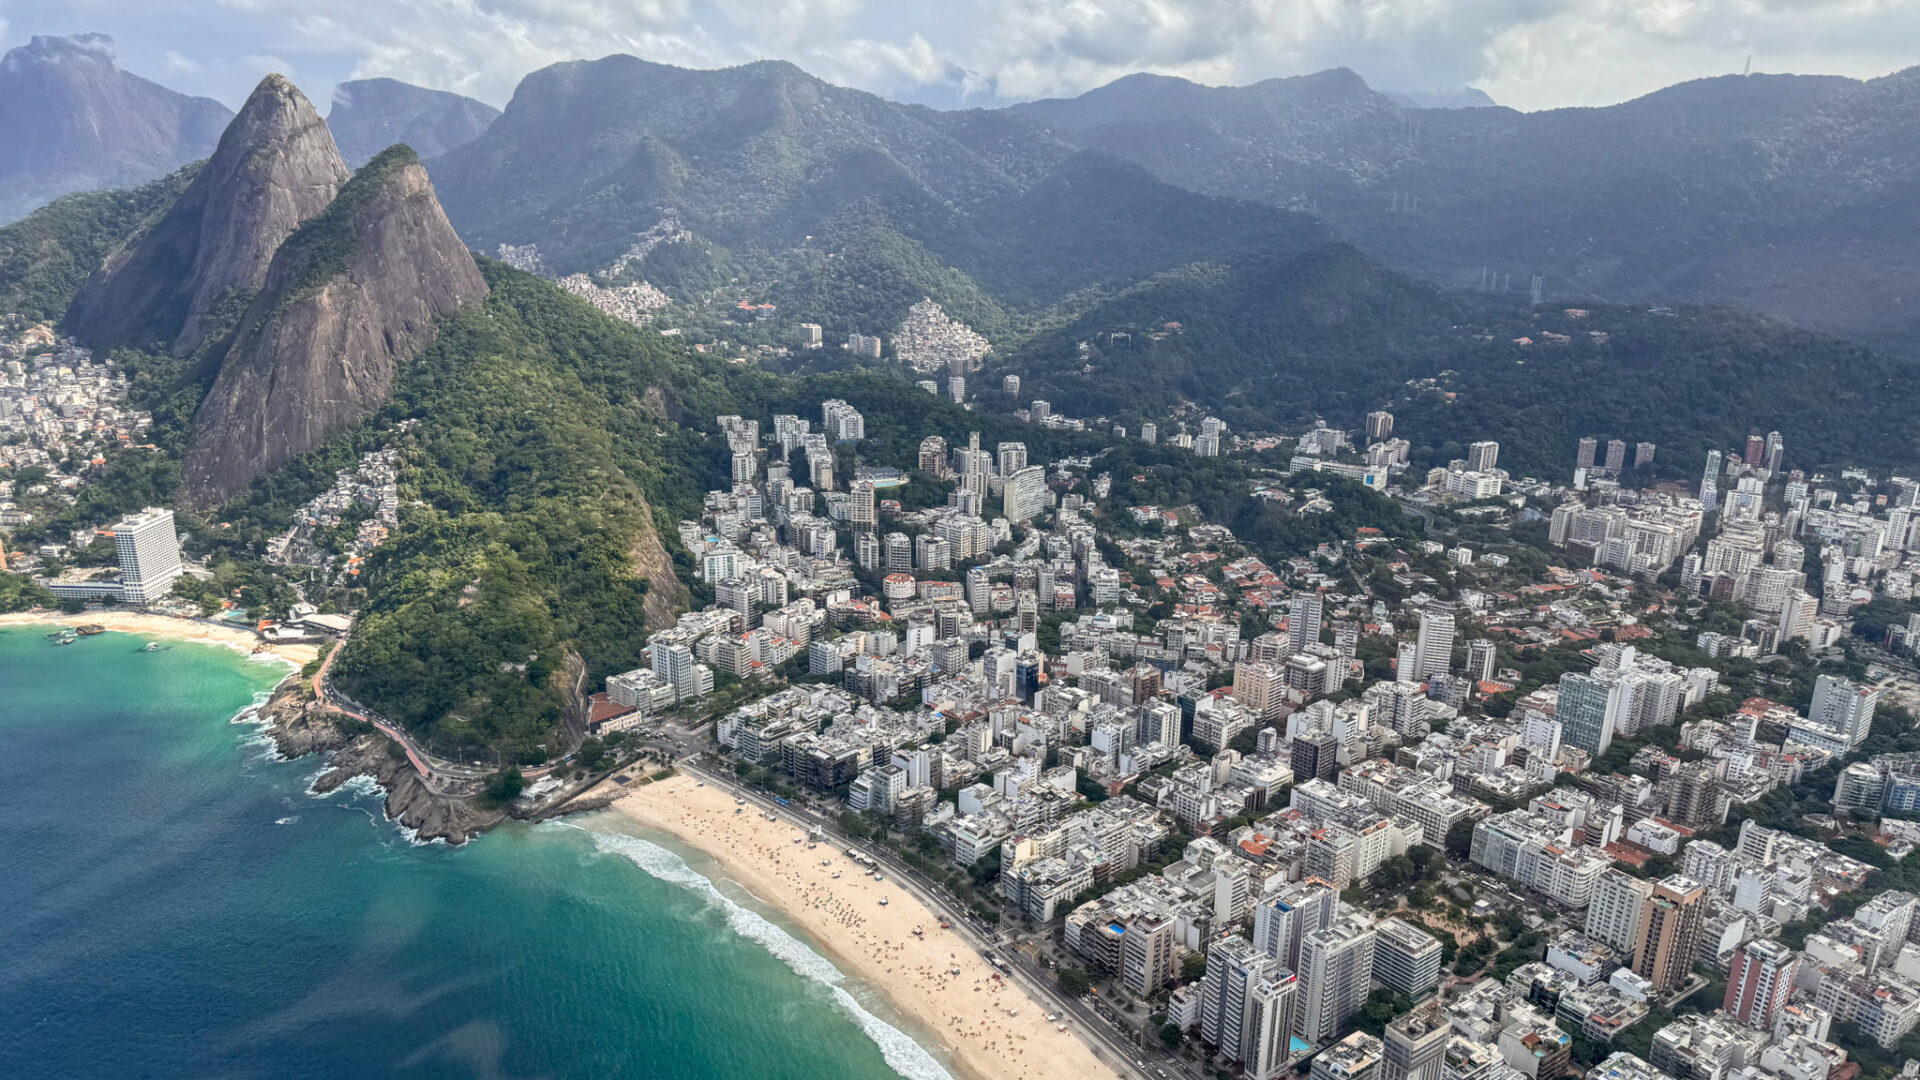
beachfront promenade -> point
(1101, 1038)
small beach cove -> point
(185, 908)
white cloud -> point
(1529, 53)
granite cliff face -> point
(72, 120)
(348, 298)
(180, 281)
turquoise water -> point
(175, 904)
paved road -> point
(433, 771)
(1105, 1042)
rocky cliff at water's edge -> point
(298, 729)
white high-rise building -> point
(1303, 621)
(1710, 481)
(1845, 706)
(1483, 456)
(1282, 920)
(1026, 493)
(1613, 916)
(1336, 964)
(1434, 654)
(149, 551)
(1592, 708)
(1481, 655)
(1234, 969)
(674, 664)
(1268, 1035)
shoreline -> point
(984, 1023)
(298, 728)
(170, 628)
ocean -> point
(176, 903)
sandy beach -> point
(168, 628)
(990, 1027)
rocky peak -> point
(179, 282)
(72, 120)
(349, 297)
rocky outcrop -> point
(666, 593)
(71, 120)
(349, 297)
(299, 729)
(180, 281)
(369, 115)
(410, 802)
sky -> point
(1529, 54)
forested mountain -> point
(846, 205)
(529, 557)
(72, 121)
(369, 115)
(1265, 341)
(1789, 194)
(47, 255)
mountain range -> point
(281, 314)
(1250, 216)
(1788, 194)
(71, 120)
(369, 115)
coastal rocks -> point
(586, 804)
(298, 729)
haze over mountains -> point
(369, 115)
(1376, 228)
(71, 120)
(1792, 195)
(1785, 193)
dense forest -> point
(1269, 341)
(45, 256)
(554, 449)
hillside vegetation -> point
(45, 256)
(524, 509)
(1265, 342)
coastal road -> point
(433, 771)
(1105, 1042)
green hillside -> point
(1265, 342)
(45, 256)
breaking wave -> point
(902, 1053)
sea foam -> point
(902, 1053)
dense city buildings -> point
(1172, 745)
